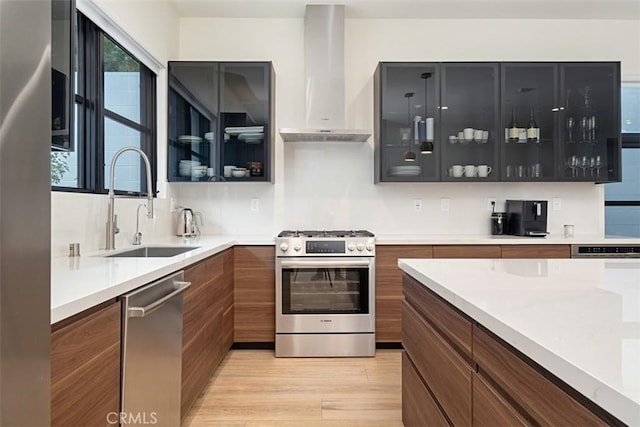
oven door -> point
(325, 295)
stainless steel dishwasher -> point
(152, 353)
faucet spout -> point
(112, 228)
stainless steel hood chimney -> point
(324, 72)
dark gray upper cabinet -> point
(510, 121)
(400, 101)
(220, 117)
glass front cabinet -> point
(220, 118)
(506, 122)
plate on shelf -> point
(244, 129)
(251, 138)
(405, 171)
(189, 139)
(209, 136)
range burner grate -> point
(326, 233)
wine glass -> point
(592, 165)
(584, 127)
(598, 165)
(584, 163)
(593, 125)
(571, 123)
(572, 162)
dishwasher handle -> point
(148, 309)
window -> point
(114, 107)
(622, 199)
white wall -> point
(331, 185)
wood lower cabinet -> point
(419, 408)
(205, 330)
(254, 294)
(443, 369)
(85, 367)
(536, 251)
(467, 251)
(497, 386)
(389, 288)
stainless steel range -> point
(325, 294)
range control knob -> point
(360, 247)
(284, 247)
(297, 248)
(351, 247)
(370, 247)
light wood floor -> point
(253, 388)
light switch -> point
(444, 204)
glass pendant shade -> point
(426, 147)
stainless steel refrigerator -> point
(25, 212)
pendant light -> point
(409, 156)
(426, 146)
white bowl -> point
(239, 173)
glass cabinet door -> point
(401, 95)
(469, 122)
(529, 109)
(193, 113)
(245, 112)
(589, 148)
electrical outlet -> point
(556, 202)
(491, 203)
(417, 205)
(174, 204)
(444, 204)
(255, 205)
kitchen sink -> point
(153, 252)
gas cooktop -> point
(326, 233)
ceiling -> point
(423, 9)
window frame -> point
(90, 122)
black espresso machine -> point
(527, 218)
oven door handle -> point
(324, 264)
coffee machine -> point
(527, 218)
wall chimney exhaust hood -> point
(324, 78)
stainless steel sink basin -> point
(153, 252)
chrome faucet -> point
(137, 237)
(112, 224)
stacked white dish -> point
(209, 136)
(188, 139)
(185, 166)
(405, 171)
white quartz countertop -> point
(486, 239)
(82, 282)
(578, 318)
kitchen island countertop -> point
(577, 318)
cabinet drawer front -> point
(490, 409)
(443, 369)
(446, 319)
(418, 407)
(196, 275)
(543, 400)
(77, 343)
(467, 251)
(536, 251)
(90, 395)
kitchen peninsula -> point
(518, 341)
